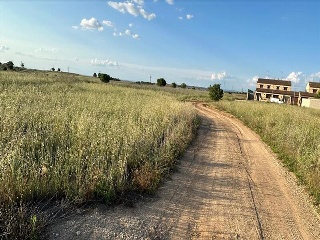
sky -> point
(200, 43)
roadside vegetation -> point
(215, 92)
(64, 136)
(292, 132)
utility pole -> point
(150, 78)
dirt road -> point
(229, 185)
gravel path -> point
(229, 185)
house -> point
(313, 87)
(274, 84)
(268, 89)
(279, 91)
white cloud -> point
(127, 33)
(252, 82)
(108, 23)
(75, 27)
(295, 77)
(147, 15)
(91, 24)
(135, 36)
(131, 8)
(315, 77)
(219, 76)
(131, 25)
(103, 63)
(180, 18)
(189, 16)
(46, 50)
(169, 1)
(76, 59)
(139, 2)
(3, 48)
(124, 7)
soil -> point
(229, 185)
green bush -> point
(215, 92)
(183, 85)
(161, 82)
(104, 77)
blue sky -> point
(194, 42)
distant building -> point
(313, 87)
(274, 84)
(272, 90)
(268, 89)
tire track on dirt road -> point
(229, 185)
(285, 211)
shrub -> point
(174, 85)
(215, 92)
(10, 65)
(183, 85)
(104, 77)
(161, 82)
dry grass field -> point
(64, 136)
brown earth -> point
(229, 185)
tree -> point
(104, 77)
(10, 65)
(174, 85)
(22, 64)
(94, 75)
(183, 85)
(53, 69)
(215, 92)
(161, 82)
(318, 94)
(58, 70)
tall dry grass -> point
(292, 132)
(66, 137)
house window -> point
(285, 88)
(261, 85)
(278, 87)
(268, 96)
(268, 86)
(315, 90)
